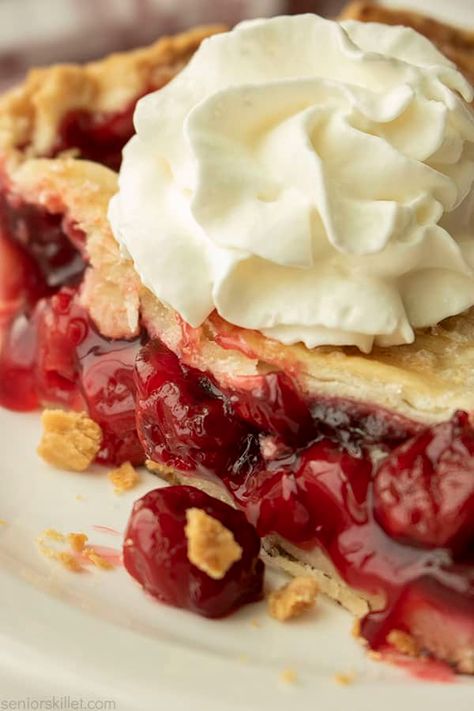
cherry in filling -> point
(377, 524)
(155, 553)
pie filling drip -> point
(400, 530)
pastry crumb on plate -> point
(289, 676)
(344, 678)
(70, 440)
(293, 599)
(124, 478)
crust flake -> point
(211, 546)
(70, 440)
(293, 599)
(124, 478)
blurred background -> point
(36, 32)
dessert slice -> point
(356, 467)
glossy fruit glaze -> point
(155, 553)
(97, 137)
(51, 353)
(295, 479)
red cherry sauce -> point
(50, 352)
(294, 474)
(98, 136)
(155, 553)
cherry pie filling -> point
(400, 530)
(99, 137)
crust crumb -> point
(78, 555)
(289, 676)
(67, 559)
(344, 678)
(95, 558)
(166, 473)
(255, 623)
(3, 522)
(211, 546)
(293, 599)
(124, 477)
(70, 440)
(356, 629)
(404, 643)
(53, 535)
(77, 541)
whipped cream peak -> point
(306, 178)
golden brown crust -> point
(211, 546)
(124, 478)
(456, 43)
(30, 114)
(70, 440)
(293, 599)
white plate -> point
(95, 639)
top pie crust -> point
(424, 381)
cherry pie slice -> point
(356, 468)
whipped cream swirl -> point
(309, 179)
